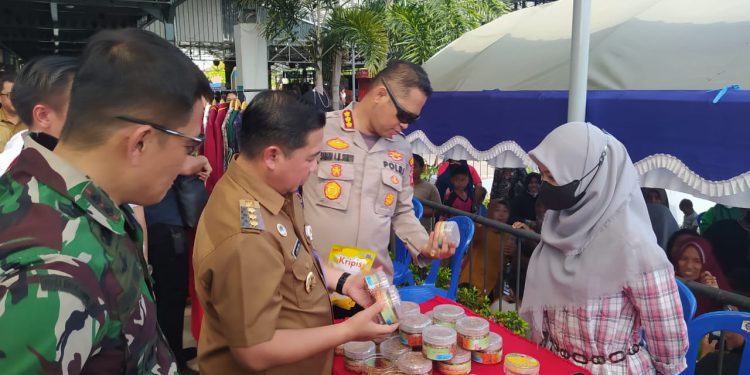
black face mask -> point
(563, 197)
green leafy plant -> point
(510, 320)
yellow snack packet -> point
(352, 260)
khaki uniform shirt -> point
(359, 193)
(8, 129)
(255, 273)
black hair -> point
(686, 203)
(532, 176)
(402, 76)
(461, 169)
(131, 72)
(277, 118)
(7, 77)
(42, 80)
(418, 160)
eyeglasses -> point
(197, 141)
(404, 116)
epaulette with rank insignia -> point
(251, 221)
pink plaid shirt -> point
(613, 323)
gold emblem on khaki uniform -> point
(336, 170)
(250, 217)
(337, 143)
(282, 229)
(389, 198)
(395, 180)
(332, 190)
(348, 121)
(395, 155)
(309, 282)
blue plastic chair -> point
(401, 272)
(689, 304)
(422, 293)
(734, 321)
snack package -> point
(352, 260)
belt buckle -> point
(598, 360)
(564, 354)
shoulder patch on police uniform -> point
(251, 219)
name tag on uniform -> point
(296, 249)
(336, 156)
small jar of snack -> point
(447, 315)
(494, 352)
(473, 333)
(407, 308)
(414, 363)
(460, 364)
(439, 343)
(339, 350)
(521, 364)
(411, 327)
(382, 290)
(357, 355)
(392, 348)
(379, 365)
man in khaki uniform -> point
(10, 122)
(363, 185)
(264, 293)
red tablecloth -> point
(550, 363)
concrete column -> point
(251, 49)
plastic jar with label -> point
(357, 355)
(410, 329)
(392, 348)
(382, 290)
(521, 364)
(460, 364)
(439, 343)
(494, 352)
(447, 315)
(408, 308)
(414, 363)
(473, 333)
(447, 231)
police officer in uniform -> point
(263, 290)
(364, 181)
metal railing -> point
(722, 296)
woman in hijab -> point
(598, 276)
(523, 204)
(693, 260)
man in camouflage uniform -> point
(74, 295)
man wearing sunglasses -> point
(71, 266)
(363, 183)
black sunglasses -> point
(197, 141)
(404, 116)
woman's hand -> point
(709, 279)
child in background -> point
(457, 195)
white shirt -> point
(12, 150)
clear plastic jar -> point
(382, 290)
(494, 352)
(357, 355)
(339, 350)
(460, 364)
(392, 348)
(408, 308)
(379, 365)
(410, 329)
(473, 333)
(447, 231)
(439, 343)
(414, 363)
(447, 315)
(521, 364)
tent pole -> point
(579, 60)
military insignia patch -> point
(337, 143)
(250, 217)
(332, 190)
(395, 180)
(348, 124)
(336, 170)
(389, 198)
(395, 155)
